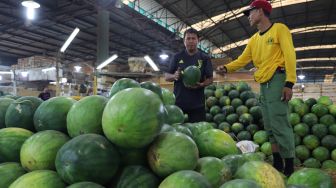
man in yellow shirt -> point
(272, 52)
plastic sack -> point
(247, 146)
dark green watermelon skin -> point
(153, 87)
(21, 112)
(88, 157)
(191, 76)
(85, 184)
(9, 172)
(52, 113)
(185, 179)
(122, 84)
(137, 176)
(11, 141)
(4, 104)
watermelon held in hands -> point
(133, 117)
(85, 116)
(52, 114)
(20, 113)
(84, 154)
(122, 84)
(191, 76)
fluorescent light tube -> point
(151, 63)
(108, 61)
(69, 40)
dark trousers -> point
(195, 115)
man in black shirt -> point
(45, 95)
(190, 99)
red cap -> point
(265, 5)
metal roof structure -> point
(141, 27)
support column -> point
(103, 23)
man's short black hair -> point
(191, 30)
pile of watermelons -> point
(135, 138)
(235, 109)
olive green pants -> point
(275, 115)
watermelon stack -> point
(137, 138)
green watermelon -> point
(153, 87)
(320, 130)
(255, 111)
(198, 128)
(232, 118)
(251, 102)
(332, 129)
(133, 117)
(9, 172)
(302, 152)
(236, 102)
(225, 126)
(295, 101)
(311, 141)
(246, 119)
(39, 179)
(174, 114)
(20, 113)
(241, 110)
(312, 163)
(216, 143)
(183, 129)
(171, 152)
(263, 173)
(4, 104)
(233, 94)
(312, 178)
(214, 170)
(324, 100)
(11, 140)
(246, 95)
(266, 148)
(52, 114)
(294, 119)
(333, 154)
(219, 118)
(122, 84)
(310, 119)
(252, 128)
(215, 110)
(234, 161)
(84, 154)
(208, 93)
(240, 183)
(219, 93)
(168, 97)
(321, 153)
(39, 151)
(258, 156)
(167, 128)
(301, 109)
(185, 179)
(301, 129)
(260, 137)
(85, 116)
(327, 119)
(85, 184)
(227, 110)
(211, 87)
(211, 101)
(224, 101)
(329, 164)
(332, 109)
(329, 142)
(229, 87)
(244, 135)
(310, 102)
(319, 109)
(191, 76)
(137, 176)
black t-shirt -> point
(44, 96)
(187, 98)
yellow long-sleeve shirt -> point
(268, 51)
